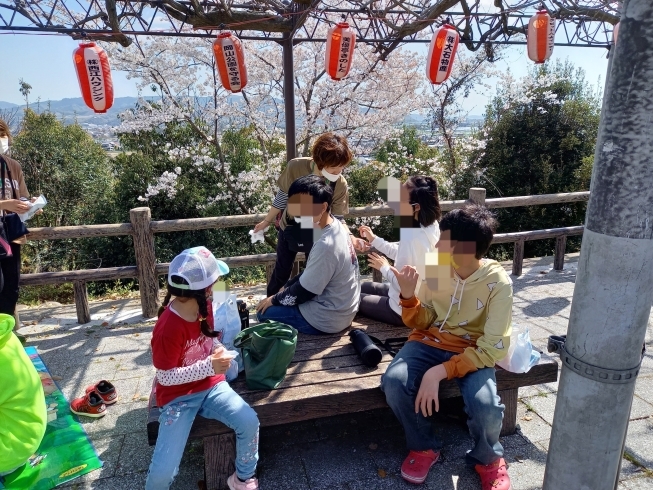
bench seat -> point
(328, 378)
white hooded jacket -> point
(411, 249)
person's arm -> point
(167, 349)
(293, 294)
(22, 186)
(388, 249)
(187, 374)
(279, 203)
(415, 315)
(493, 345)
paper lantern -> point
(94, 76)
(541, 36)
(341, 40)
(230, 58)
(615, 33)
(441, 53)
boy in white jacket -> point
(417, 212)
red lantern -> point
(541, 36)
(615, 33)
(341, 40)
(441, 53)
(230, 58)
(94, 75)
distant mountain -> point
(74, 109)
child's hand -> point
(427, 396)
(377, 261)
(407, 280)
(220, 360)
(366, 232)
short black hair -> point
(472, 223)
(315, 186)
(424, 191)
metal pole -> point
(614, 286)
(289, 96)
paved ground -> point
(363, 451)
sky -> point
(45, 62)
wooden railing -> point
(146, 270)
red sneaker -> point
(106, 391)
(90, 405)
(494, 476)
(417, 464)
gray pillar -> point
(614, 285)
(289, 97)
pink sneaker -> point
(235, 484)
(417, 464)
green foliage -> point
(540, 139)
(134, 172)
(65, 165)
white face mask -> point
(4, 144)
(329, 176)
(306, 222)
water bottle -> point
(367, 350)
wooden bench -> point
(327, 378)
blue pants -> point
(220, 403)
(290, 315)
(402, 380)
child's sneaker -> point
(90, 405)
(106, 391)
(235, 484)
(417, 464)
(494, 476)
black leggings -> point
(283, 265)
(9, 276)
(375, 303)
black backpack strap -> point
(392, 345)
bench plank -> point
(350, 393)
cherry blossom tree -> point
(366, 107)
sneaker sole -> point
(418, 481)
(92, 415)
(413, 480)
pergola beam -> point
(587, 23)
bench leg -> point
(509, 399)
(219, 457)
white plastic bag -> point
(227, 320)
(521, 355)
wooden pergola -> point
(385, 24)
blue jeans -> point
(402, 380)
(290, 315)
(220, 403)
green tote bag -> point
(267, 351)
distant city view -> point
(102, 126)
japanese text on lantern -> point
(344, 55)
(232, 64)
(446, 53)
(95, 79)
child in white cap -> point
(190, 364)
